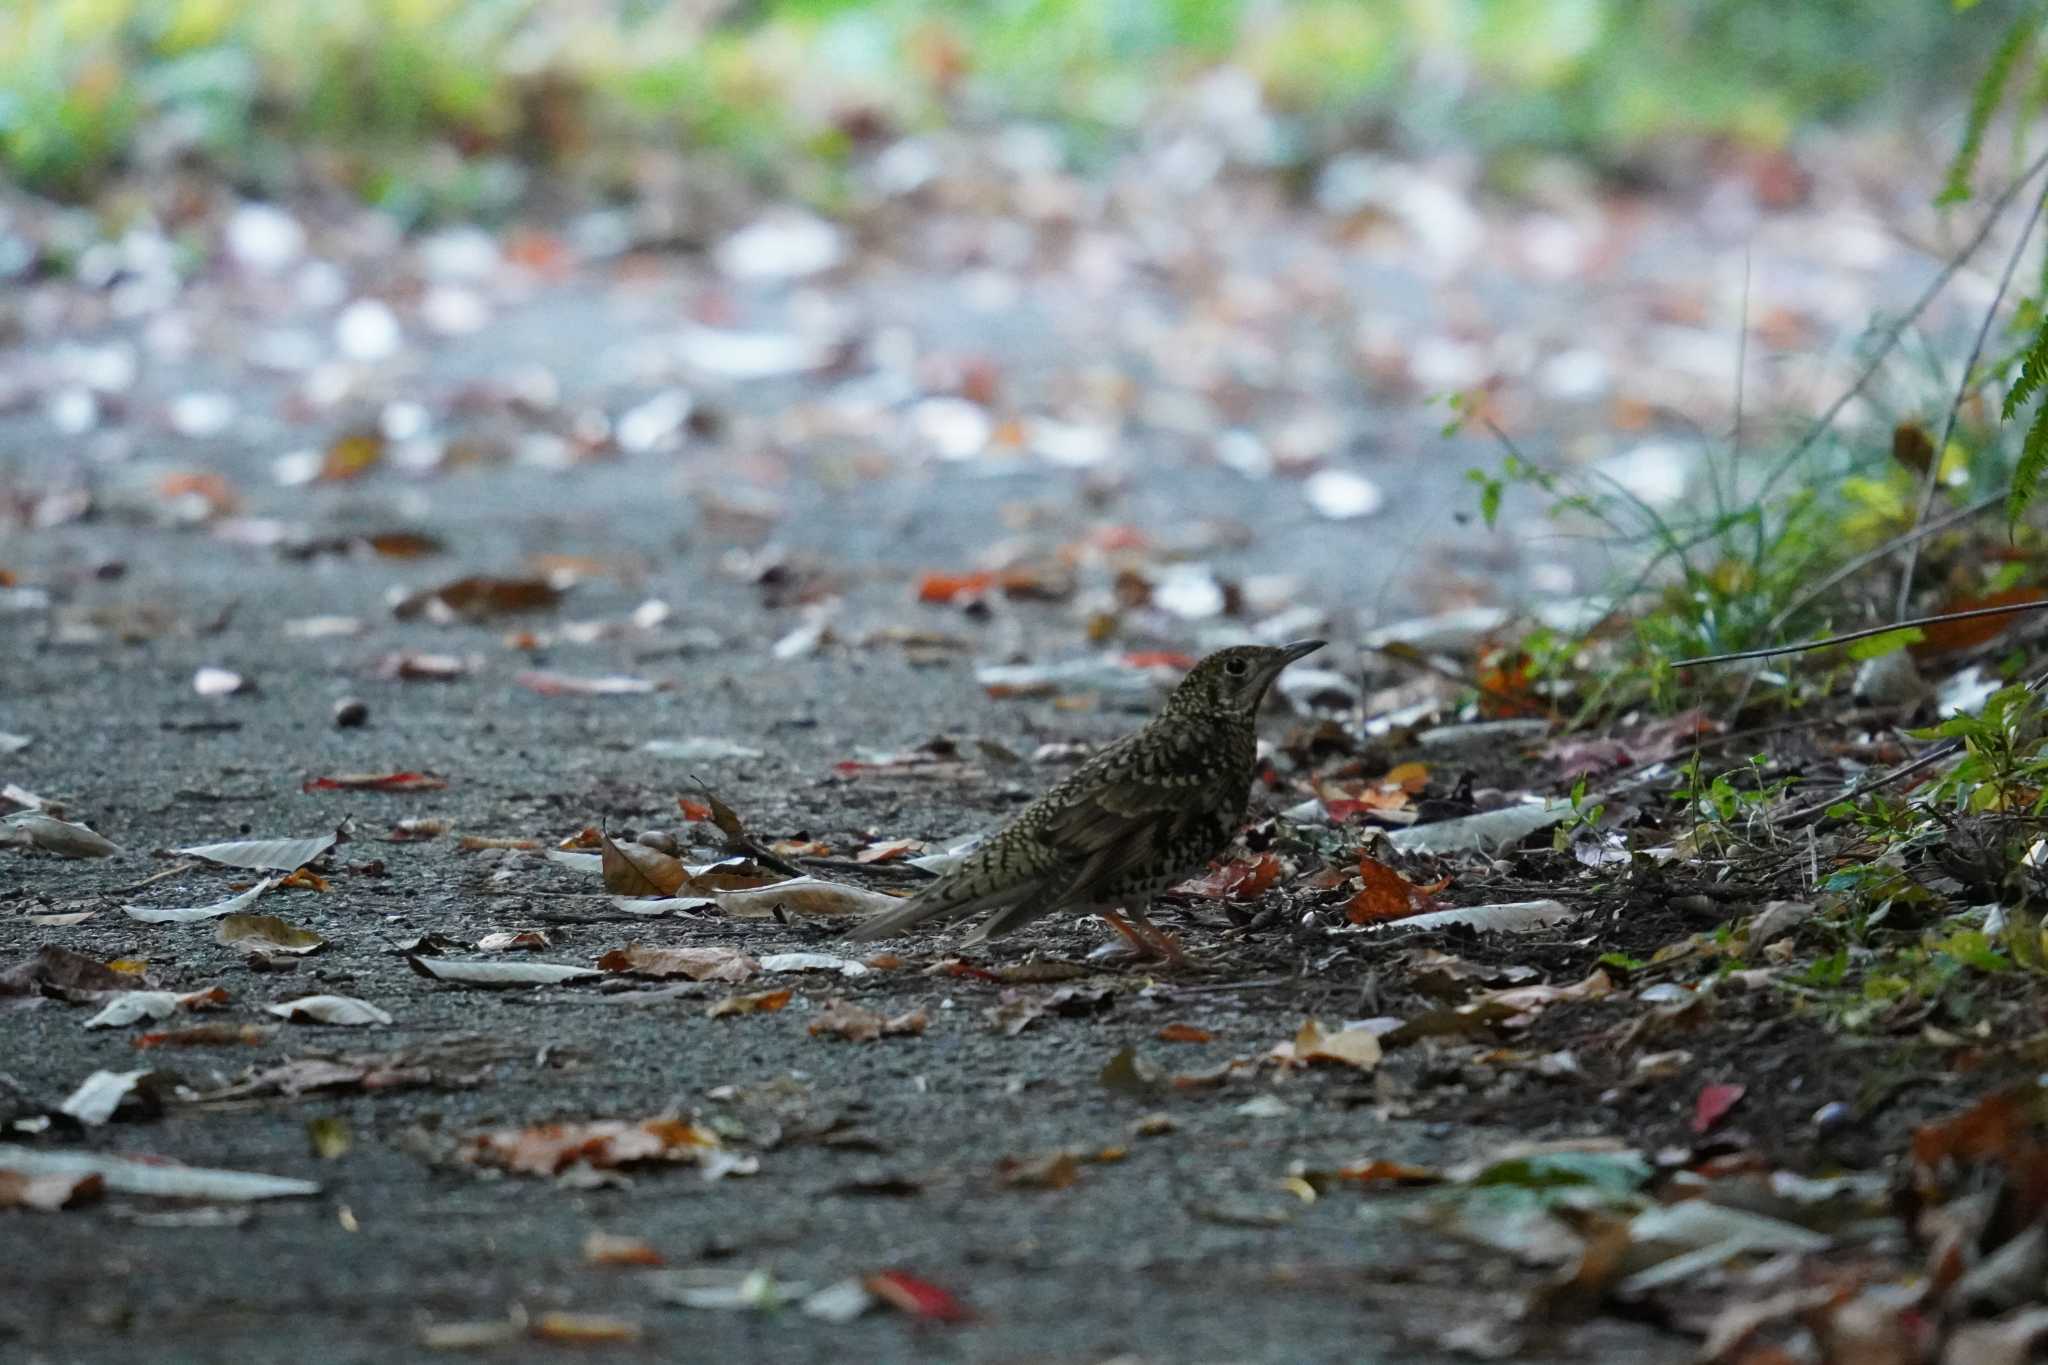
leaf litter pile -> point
(457, 787)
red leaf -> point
(1713, 1105)
(941, 588)
(693, 809)
(919, 1298)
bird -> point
(1142, 815)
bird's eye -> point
(1236, 668)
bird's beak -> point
(1300, 649)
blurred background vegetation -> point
(454, 102)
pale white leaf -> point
(233, 905)
(154, 1178)
(499, 973)
(344, 1010)
(276, 855)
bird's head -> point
(1234, 681)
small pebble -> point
(350, 712)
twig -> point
(1865, 787)
(1771, 651)
(1948, 427)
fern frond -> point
(2033, 374)
(2026, 476)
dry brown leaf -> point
(583, 1328)
(478, 597)
(637, 870)
(698, 964)
(760, 1002)
(606, 1248)
(48, 1193)
(1354, 1047)
(844, 1019)
(550, 1148)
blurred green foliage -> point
(360, 90)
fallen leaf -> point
(48, 1193)
(233, 905)
(804, 896)
(207, 1035)
(153, 1177)
(103, 1092)
(918, 1298)
(344, 1010)
(54, 970)
(1713, 1104)
(129, 1006)
(583, 1329)
(1055, 1171)
(698, 964)
(478, 598)
(1184, 1033)
(843, 1019)
(550, 1148)
(220, 682)
(1354, 1047)
(605, 1248)
(1949, 637)
(1506, 917)
(815, 962)
(61, 837)
(376, 782)
(889, 850)
(1489, 831)
(637, 870)
(550, 684)
(523, 940)
(473, 973)
(1384, 894)
(1242, 879)
(266, 932)
(277, 855)
(328, 1137)
(760, 1002)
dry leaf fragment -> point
(889, 850)
(551, 1148)
(1355, 1047)
(103, 1092)
(1384, 894)
(266, 933)
(343, 1010)
(153, 1177)
(698, 964)
(583, 1329)
(55, 970)
(1184, 1033)
(276, 855)
(637, 870)
(606, 1248)
(1055, 1171)
(233, 905)
(477, 598)
(471, 973)
(129, 1006)
(844, 1019)
(206, 1035)
(760, 1002)
(61, 837)
(48, 1193)
(918, 1298)
(551, 684)
(1240, 879)
(804, 896)
(376, 782)
(523, 940)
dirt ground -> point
(872, 1156)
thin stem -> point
(1869, 557)
(1805, 645)
(1963, 386)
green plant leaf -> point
(1891, 642)
(1984, 102)
(2033, 463)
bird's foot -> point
(1147, 940)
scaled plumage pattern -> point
(1144, 814)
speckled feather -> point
(1145, 813)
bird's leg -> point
(1127, 929)
(1148, 938)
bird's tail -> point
(943, 900)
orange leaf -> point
(1409, 777)
(1946, 637)
(942, 588)
(1385, 895)
(1185, 1033)
(692, 808)
(1243, 879)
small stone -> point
(350, 712)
